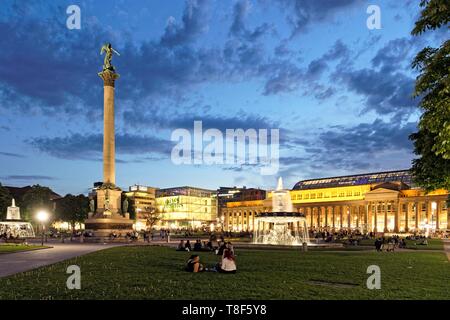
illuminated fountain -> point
(14, 227)
(282, 226)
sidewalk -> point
(12, 263)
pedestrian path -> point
(12, 263)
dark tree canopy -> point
(37, 198)
(432, 143)
(5, 201)
(72, 209)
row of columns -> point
(364, 216)
(367, 216)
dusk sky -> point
(340, 94)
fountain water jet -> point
(282, 226)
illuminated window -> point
(299, 197)
(313, 195)
(349, 193)
(357, 193)
(320, 195)
(307, 196)
(341, 194)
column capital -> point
(109, 77)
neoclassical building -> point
(379, 202)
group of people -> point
(198, 246)
(227, 263)
(389, 244)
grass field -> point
(157, 273)
(10, 248)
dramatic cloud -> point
(194, 22)
(238, 28)
(301, 14)
(78, 146)
(386, 86)
(9, 154)
(366, 146)
(162, 120)
(27, 178)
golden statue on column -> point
(108, 218)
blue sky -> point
(339, 93)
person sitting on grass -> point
(198, 245)
(194, 265)
(228, 263)
(221, 249)
(402, 244)
(181, 246)
(188, 246)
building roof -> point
(403, 176)
(184, 191)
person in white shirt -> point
(228, 263)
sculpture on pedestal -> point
(107, 218)
(109, 50)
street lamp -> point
(42, 217)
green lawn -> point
(10, 248)
(157, 273)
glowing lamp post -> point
(42, 217)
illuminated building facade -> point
(186, 207)
(378, 202)
(142, 200)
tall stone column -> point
(408, 206)
(385, 206)
(333, 215)
(375, 222)
(418, 211)
(366, 217)
(341, 216)
(349, 217)
(438, 213)
(109, 217)
(319, 209)
(396, 217)
(109, 151)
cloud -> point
(241, 120)
(284, 76)
(387, 84)
(9, 154)
(89, 146)
(238, 28)
(301, 14)
(194, 22)
(27, 177)
(379, 145)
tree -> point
(37, 198)
(5, 201)
(432, 142)
(151, 217)
(72, 209)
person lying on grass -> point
(194, 265)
